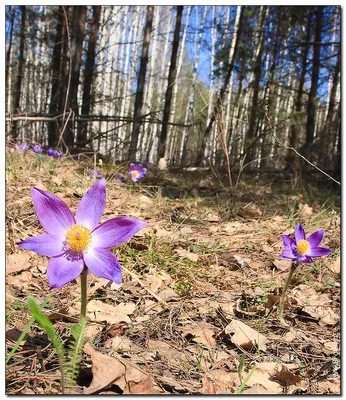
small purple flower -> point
(94, 172)
(302, 249)
(24, 146)
(120, 178)
(75, 242)
(52, 153)
(136, 172)
(37, 149)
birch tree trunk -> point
(311, 106)
(172, 130)
(140, 85)
(77, 37)
(251, 132)
(18, 84)
(89, 74)
(171, 79)
(189, 110)
(218, 104)
(8, 61)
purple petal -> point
(288, 241)
(104, 264)
(304, 259)
(92, 205)
(318, 252)
(53, 214)
(299, 233)
(46, 245)
(63, 269)
(115, 231)
(316, 238)
(287, 254)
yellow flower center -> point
(78, 238)
(134, 174)
(303, 247)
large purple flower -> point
(303, 249)
(136, 172)
(73, 242)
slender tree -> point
(79, 14)
(219, 103)
(140, 84)
(170, 83)
(18, 84)
(56, 78)
(311, 106)
(89, 73)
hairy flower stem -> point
(287, 284)
(84, 283)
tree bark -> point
(8, 59)
(221, 96)
(326, 141)
(251, 132)
(79, 14)
(171, 79)
(140, 84)
(18, 84)
(89, 74)
(56, 57)
(311, 106)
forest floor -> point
(197, 310)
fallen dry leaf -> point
(97, 310)
(17, 262)
(318, 305)
(187, 254)
(219, 381)
(245, 336)
(336, 266)
(201, 332)
(305, 210)
(108, 370)
(282, 265)
(286, 378)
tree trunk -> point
(190, 103)
(56, 57)
(89, 74)
(77, 37)
(221, 96)
(8, 60)
(311, 106)
(171, 79)
(172, 131)
(297, 122)
(18, 84)
(250, 136)
(326, 141)
(140, 85)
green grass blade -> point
(25, 331)
(245, 381)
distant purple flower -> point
(55, 153)
(147, 164)
(52, 153)
(120, 178)
(75, 242)
(302, 249)
(24, 146)
(37, 149)
(136, 172)
(94, 172)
